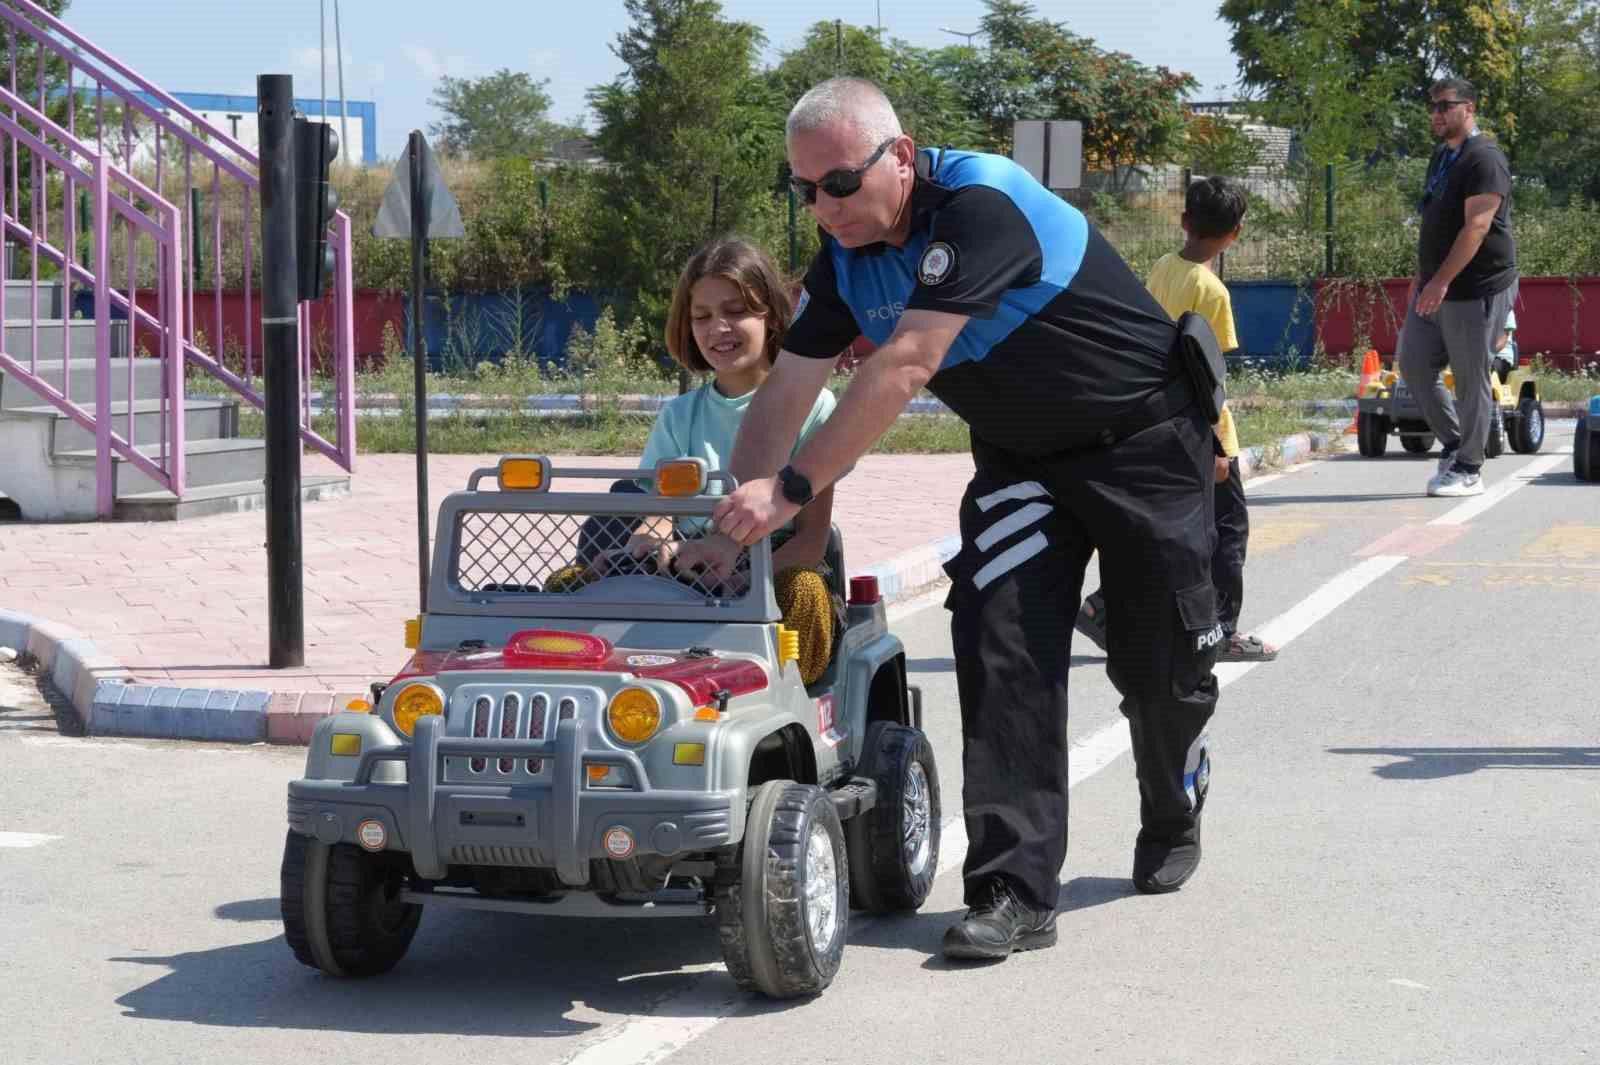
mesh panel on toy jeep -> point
(587, 556)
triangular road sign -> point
(443, 213)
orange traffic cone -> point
(1370, 368)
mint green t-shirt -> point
(704, 424)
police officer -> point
(1000, 298)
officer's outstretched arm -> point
(885, 383)
(777, 411)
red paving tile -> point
(185, 602)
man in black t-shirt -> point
(1465, 285)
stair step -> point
(47, 304)
(203, 419)
(146, 380)
(207, 462)
(53, 340)
(230, 497)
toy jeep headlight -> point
(414, 702)
(634, 715)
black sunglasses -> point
(1439, 107)
(838, 183)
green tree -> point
(1378, 56)
(1218, 145)
(1323, 82)
(499, 116)
(1033, 68)
(1555, 78)
(930, 108)
(690, 107)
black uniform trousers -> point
(1233, 538)
(1028, 526)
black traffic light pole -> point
(419, 355)
(286, 624)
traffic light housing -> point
(315, 148)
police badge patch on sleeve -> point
(937, 263)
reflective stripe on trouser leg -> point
(1197, 770)
(1009, 603)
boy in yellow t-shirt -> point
(1213, 217)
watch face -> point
(796, 489)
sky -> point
(396, 50)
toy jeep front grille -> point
(524, 714)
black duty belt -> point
(1177, 397)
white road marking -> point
(24, 839)
(646, 1038)
(904, 608)
(1476, 505)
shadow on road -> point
(923, 932)
(1435, 763)
(1257, 502)
(468, 974)
(1560, 478)
(948, 665)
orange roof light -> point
(524, 473)
(677, 478)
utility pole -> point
(344, 105)
(280, 364)
(322, 56)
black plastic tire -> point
(1417, 445)
(1495, 444)
(1585, 451)
(341, 908)
(1527, 436)
(1372, 434)
(894, 847)
(765, 921)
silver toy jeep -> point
(579, 734)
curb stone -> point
(111, 702)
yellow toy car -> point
(1388, 407)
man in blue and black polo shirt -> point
(1001, 299)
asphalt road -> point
(1400, 854)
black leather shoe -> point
(1161, 867)
(998, 924)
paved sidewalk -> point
(185, 603)
(160, 629)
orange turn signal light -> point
(678, 478)
(524, 473)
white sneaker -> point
(1446, 461)
(1457, 483)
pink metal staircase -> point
(117, 385)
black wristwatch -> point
(796, 488)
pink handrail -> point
(174, 320)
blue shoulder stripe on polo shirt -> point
(877, 287)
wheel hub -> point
(916, 845)
(822, 887)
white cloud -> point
(309, 60)
(433, 66)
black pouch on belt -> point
(1198, 352)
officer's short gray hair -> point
(854, 101)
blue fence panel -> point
(461, 329)
(1275, 321)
